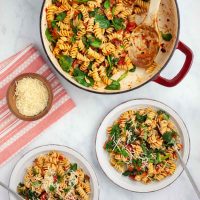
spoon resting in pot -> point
(145, 39)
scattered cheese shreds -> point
(31, 96)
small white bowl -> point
(21, 166)
(103, 156)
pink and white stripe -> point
(15, 133)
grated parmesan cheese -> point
(31, 96)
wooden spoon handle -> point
(152, 12)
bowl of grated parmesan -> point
(29, 96)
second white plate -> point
(103, 157)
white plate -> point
(20, 168)
(103, 156)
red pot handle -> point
(185, 69)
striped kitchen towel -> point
(15, 133)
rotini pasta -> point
(52, 176)
(93, 31)
(142, 145)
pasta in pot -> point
(52, 176)
(142, 145)
(85, 32)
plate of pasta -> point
(54, 172)
(136, 145)
(87, 41)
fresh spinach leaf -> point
(115, 85)
(66, 190)
(90, 65)
(86, 42)
(80, 16)
(36, 183)
(123, 152)
(61, 16)
(94, 12)
(49, 36)
(128, 125)
(166, 36)
(165, 115)
(83, 78)
(167, 137)
(95, 42)
(107, 4)
(118, 23)
(115, 131)
(129, 173)
(51, 188)
(73, 39)
(112, 61)
(123, 76)
(141, 118)
(102, 20)
(65, 62)
(73, 167)
(53, 24)
(109, 146)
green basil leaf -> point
(102, 20)
(118, 23)
(115, 85)
(107, 4)
(65, 62)
(49, 36)
(61, 16)
(166, 36)
(73, 167)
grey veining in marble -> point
(19, 26)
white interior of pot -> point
(167, 23)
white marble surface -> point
(19, 26)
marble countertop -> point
(19, 26)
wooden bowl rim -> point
(50, 95)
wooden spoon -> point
(145, 38)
